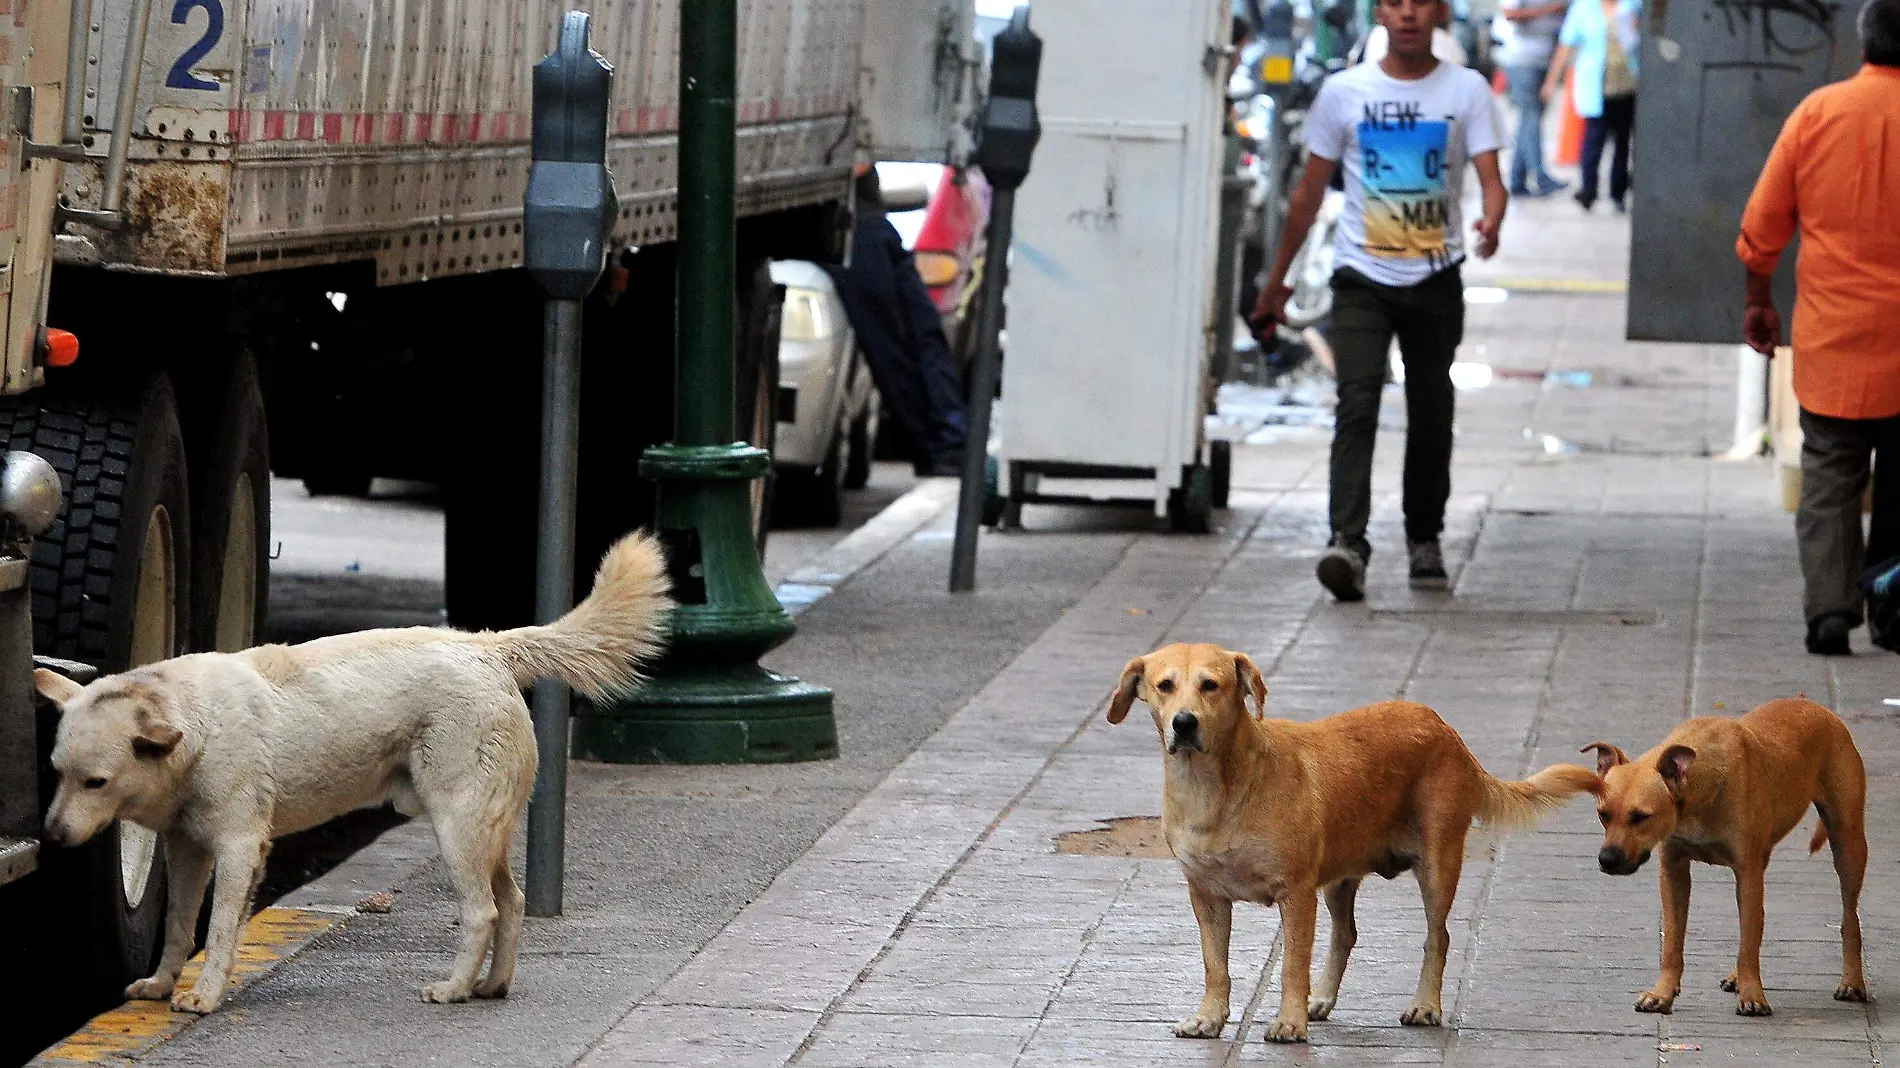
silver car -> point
(827, 406)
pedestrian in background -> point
(901, 335)
(1529, 40)
(1403, 129)
(1603, 37)
(1834, 176)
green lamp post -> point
(709, 700)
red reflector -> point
(62, 348)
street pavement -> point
(908, 904)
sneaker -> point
(1621, 208)
(1343, 572)
(1552, 186)
(1828, 636)
(1428, 565)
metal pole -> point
(707, 232)
(79, 36)
(554, 596)
(983, 375)
(125, 109)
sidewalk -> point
(908, 905)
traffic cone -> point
(1570, 136)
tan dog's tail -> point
(599, 646)
(1519, 804)
(1820, 837)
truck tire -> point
(231, 519)
(110, 588)
(1220, 471)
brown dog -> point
(1724, 791)
(1272, 810)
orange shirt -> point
(1835, 173)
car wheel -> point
(337, 485)
(111, 581)
(814, 498)
(857, 463)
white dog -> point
(222, 752)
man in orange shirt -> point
(1835, 174)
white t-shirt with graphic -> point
(1404, 146)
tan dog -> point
(1272, 811)
(1724, 791)
(222, 752)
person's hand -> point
(1546, 92)
(1761, 328)
(1269, 309)
(1487, 232)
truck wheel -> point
(231, 520)
(110, 581)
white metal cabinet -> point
(1111, 279)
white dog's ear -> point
(1124, 696)
(1608, 756)
(55, 687)
(156, 737)
(1251, 682)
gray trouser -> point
(1429, 320)
(1835, 456)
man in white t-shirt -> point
(1404, 128)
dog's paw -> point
(1654, 1002)
(1203, 1024)
(1753, 1006)
(194, 1001)
(446, 992)
(1320, 1008)
(1421, 1016)
(155, 988)
(490, 988)
(1287, 1031)
(1728, 982)
(1851, 992)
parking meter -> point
(571, 204)
(568, 218)
(1007, 135)
(1006, 139)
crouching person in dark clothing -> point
(902, 337)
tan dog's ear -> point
(1608, 756)
(1251, 682)
(1124, 696)
(55, 687)
(1673, 764)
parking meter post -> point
(1006, 140)
(567, 218)
(709, 701)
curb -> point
(867, 545)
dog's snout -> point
(1186, 723)
(52, 834)
(1614, 861)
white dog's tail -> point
(599, 646)
(1518, 804)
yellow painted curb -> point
(127, 1033)
(1556, 285)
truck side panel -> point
(396, 130)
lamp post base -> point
(714, 715)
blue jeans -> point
(1527, 159)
